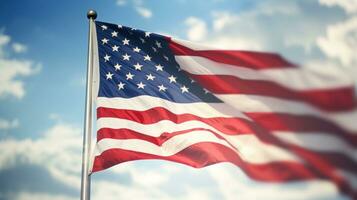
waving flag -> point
(161, 98)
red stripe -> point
(224, 124)
(248, 59)
(300, 124)
(233, 126)
(204, 154)
(124, 133)
(315, 163)
(332, 99)
(337, 159)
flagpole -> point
(85, 182)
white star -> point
(136, 49)
(121, 85)
(115, 48)
(129, 76)
(147, 34)
(166, 58)
(105, 41)
(141, 85)
(162, 88)
(172, 79)
(159, 67)
(158, 44)
(126, 41)
(147, 57)
(142, 40)
(133, 29)
(184, 89)
(117, 67)
(114, 34)
(104, 27)
(150, 77)
(153, 48)
(106, 58)
(192, 81)
(126, 57)
(138, 66)
(206, 91)
(109, 75)
(120, 26)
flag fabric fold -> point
(163, 98)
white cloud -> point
(7, 124)
(41, 196)
(121, 2)
(340, 42)
(198, 192)
(143, 177)
(349, 6)
(269, 26)
(138, 6)
(288, 8)
(197, 29)
(59, 151)
(19, 48)
(332, 66)
(55, 117)
(221, 20)
(232, 183)
(144, 12)
(113, 191)
(4, 40)
(191, 191)
(13, 70)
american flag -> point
(163, 98)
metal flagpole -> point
(85, 183)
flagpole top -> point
(92, 14)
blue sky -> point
(43, 47)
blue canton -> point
(133, 63)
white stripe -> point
(233, 107)
(318, 142)
(142, 103)
(155, 129)
(293, 78)
(249, 148)
(350, 177)
(165, 126)
(346, 119)
(256, 103)
(311, 141)
(194, 46)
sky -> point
(43, 53)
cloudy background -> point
(43, 46)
